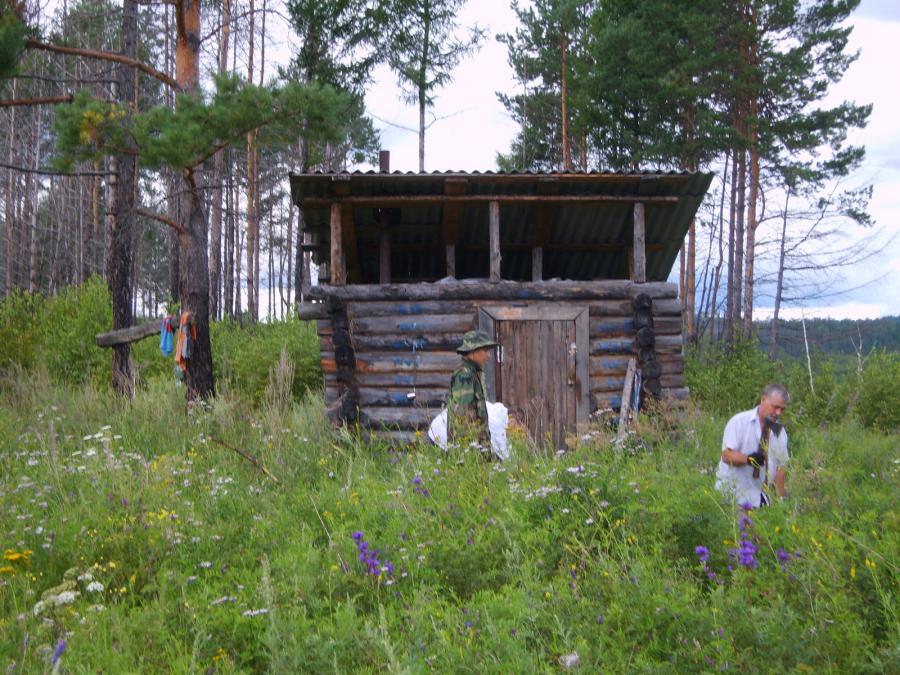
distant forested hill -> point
(832, 336)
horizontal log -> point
(405, 379)
(667, 325)
(408, 343)
(676, 393)
(358, 310)
(674, 380)
(324, 328)
(397, 362)
(429, 397)
(311, 311)
(386, 201)
(400, 419)
(125, 336)
(612, 346)
(604, 400)
(611, 327)
(612, 289)
(425, 324)
(608, 384)
(666, 307)
(608, 364)
(668, 344)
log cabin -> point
(566, 271)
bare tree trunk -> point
(229, 237)
(779, 283)
(32, 221)
(215, 244)
(10, 211)
(728, 328)
(252, 192)
(750, 253)
(564, 105)
(738, 279)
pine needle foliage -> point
(187, 136)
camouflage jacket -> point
(466, 408)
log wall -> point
(382, 344)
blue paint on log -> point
(611, 346)
(409, 325)
(404, 380)
(418, 343)
(410, 309)
(406, 361)
(613, 328)
(612, 364)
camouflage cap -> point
(475, 339)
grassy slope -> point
(500, 568)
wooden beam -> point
(384, 248)
(570, 291)
(338, 276)
(537, 264)
(127, 335)
(352, 267)
(495, 240)
(417, 200)
(451, 260)
(639, 264)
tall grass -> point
(205, 563)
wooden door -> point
(541, 368)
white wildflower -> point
(95, 587)
(255, 612)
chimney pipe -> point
(384, 161)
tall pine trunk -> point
(252, 190)
(120, 259)
(215, 238)
(194, 279)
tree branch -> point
(103, 56)
(50, 172)
(175, 225)
(45, 100)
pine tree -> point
(423, 48)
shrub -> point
(244, 356)
(878, 406)
(19, 321)
(68, 325)
(725, 381)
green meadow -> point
(247, 535)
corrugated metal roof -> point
(586, 240)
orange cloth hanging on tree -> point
(187, 335)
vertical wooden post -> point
(495, 240)
(338, 273)
(537, 263)
(451, 260)
(384, 249)
(639, 264)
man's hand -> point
(757, 460)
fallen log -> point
(127, 335)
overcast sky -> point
(474, 127)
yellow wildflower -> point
(8, 569)
(852, 571)
(870, 564)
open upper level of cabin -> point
(389, 228)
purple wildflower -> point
(702, 553)
(783, 556)
(747, 553)
(744, 522)
(417, 480)
(357, 535)
(599, 619)
(370, 557)
(58, 652)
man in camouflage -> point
(467, 417)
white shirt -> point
(742, 433)
(498, 420)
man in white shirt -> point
(754, 451)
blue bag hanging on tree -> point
(165, 337)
